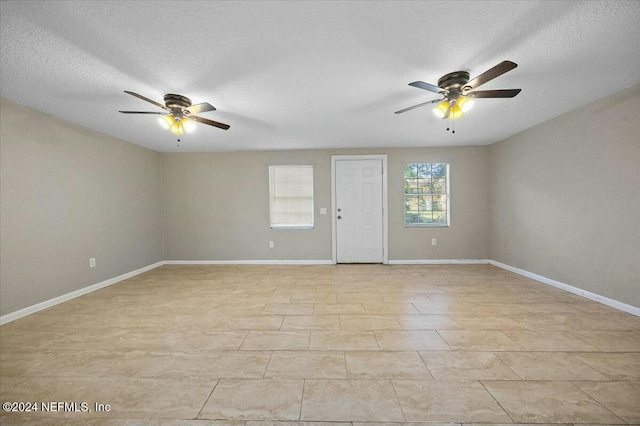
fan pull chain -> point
(453, 125)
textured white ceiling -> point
(300, 75)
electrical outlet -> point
(92, 262)
(433, 241)
(271, 244)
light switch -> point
(323, 210)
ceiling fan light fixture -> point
(441, 109)
(165, 121)
(465, 104)
(176, 127)
(456, 112)
(188, 125)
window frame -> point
(271, 185)
(447, 194)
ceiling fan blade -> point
(490, 74)
(418, 106)
(147, 99)
(203, 107)
(427, 86)
(209, 122)
(141, 112)
(505, 93)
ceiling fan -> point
(458, 91)
(179, 116)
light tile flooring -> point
(346, 344)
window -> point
(426, 194)
(291, 196)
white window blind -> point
(291, 196)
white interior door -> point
(359, 215)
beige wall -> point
(216, 206)
(565, 198)
(468, 235)
(67, 194)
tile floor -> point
(339, 345)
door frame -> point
(385, 207)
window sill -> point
(291, 227)
(426, 226)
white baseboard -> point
(440, 262)
(325, 262)
(571, 289)
(248, 262)
(72, 295)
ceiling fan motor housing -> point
(454, 80)
(454, 83)
(174, 101)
